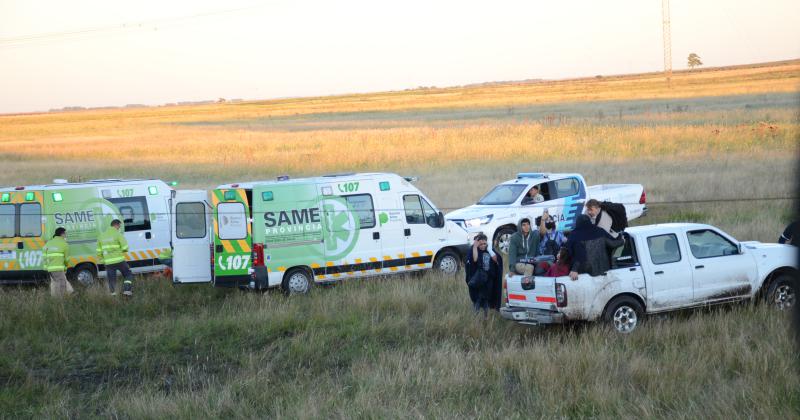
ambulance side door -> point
(191, 237)
(423, 231)
(352, 239)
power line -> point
(55, 36)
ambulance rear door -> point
(191, 237)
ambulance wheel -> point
(85, 275)
(502, 240)
(447, 263)
(297, 281)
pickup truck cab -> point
(660, 268)
(498, 213)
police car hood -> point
(472, 212)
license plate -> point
(8, 255)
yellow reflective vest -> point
(111, 247)
(56, 254)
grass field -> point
(718, 146)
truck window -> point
(431, 216)
(419, 211)
(30, 220)
(133, 210)
(664, 249)
(503, 194)
(566, 187)
(624, 256)
(8, 212)
(708, 244)
(363, 208)
(413, 208)
(190, 220)
(232, 221)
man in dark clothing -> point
(478, 258)
(589, 247)
(790, 233)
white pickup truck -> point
(660, 268)
(498, 213)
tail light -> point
(505, 290)
(643, 198)
(561, 295)
(258, 255)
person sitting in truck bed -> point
(589, 246)
(562, 265)
(600, 217)
(523, 248)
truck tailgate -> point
(531, 292)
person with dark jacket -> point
(523, 247)
(486, 295)
(589, 247)
(789, 234)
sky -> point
(92, 53)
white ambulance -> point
(29, 215)
(294, 233)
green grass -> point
(399, 347)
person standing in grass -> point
(56, 255)
(482, 276)
(111, 249)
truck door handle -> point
(659, 272)
(407, 232)
(20, 245)
(699, 266)
(376, 235)
(632, 269)
(148, 235)
(219, 249)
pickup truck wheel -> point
(624, 314)
(502, 240)
(447, 263)
(782, 292)
(297, 282)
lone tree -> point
(694, 61)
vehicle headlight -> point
(478, 221)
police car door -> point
(191, 237)
(565, 204)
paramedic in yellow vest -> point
(111, 249)
(56, 255)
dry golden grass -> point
(158, 142)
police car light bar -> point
(531, 175)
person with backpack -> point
(611, 217)
(552, 239)
(590, 248)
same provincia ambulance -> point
(295, 233)
(29, 215)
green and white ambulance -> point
(294, 233)
(29, 215)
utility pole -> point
(667, 41)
